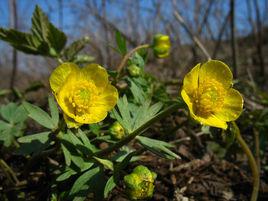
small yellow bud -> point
(134, 70)
(161, 45)
(140, 183)
(117, 131)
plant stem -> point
(138, 131)
(8, 171)
(252, 163)
(126, 57)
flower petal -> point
(217, 70)
(108, 98)
(212, 120)
(190, 81)
(95, 115)
(60, 74)
(97, 74)
(232, 106)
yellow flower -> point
(84, 94)
(207, 91)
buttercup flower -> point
(140, 183)
(207, 91)
(161, 45)
(84, 94)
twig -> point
(233, 38)
(252, 163)
(259, 40)
(222, 29)
(194, 38)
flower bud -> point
(161, 45)
(117, 131)
(140, 183)
(134, 70)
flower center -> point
(208, 98)
(81, 97)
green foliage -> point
(40, 116)
(76, 148)
(121, 43)
(12, 122)
(45, 39)
(34, 143)
(158, 147)
(110, 185)
(84, 181)
(131, 116)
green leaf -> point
(23, 41)
(34, 143)
(44, 30)
(4, 125)
(86, 141)
(56, 38)
(131, 116)
(83, 180)
(41, 137)
(95, 128)
(67, 155)
(121, 43)
(13, 113)
(54, 110)
(106, 163)
(72, 50)
(138, 94)
(66, 175)
(39, 115)
(158, 147)
(109, 186)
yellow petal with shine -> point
(95, 115)
(97, 74)
(217, 70)
(64, 95)
(232, 106)
(108, 98)
(210, 121)
(190, 81)
(60, 74)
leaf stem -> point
(126, 57)
(252, 164)
(139, 130)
